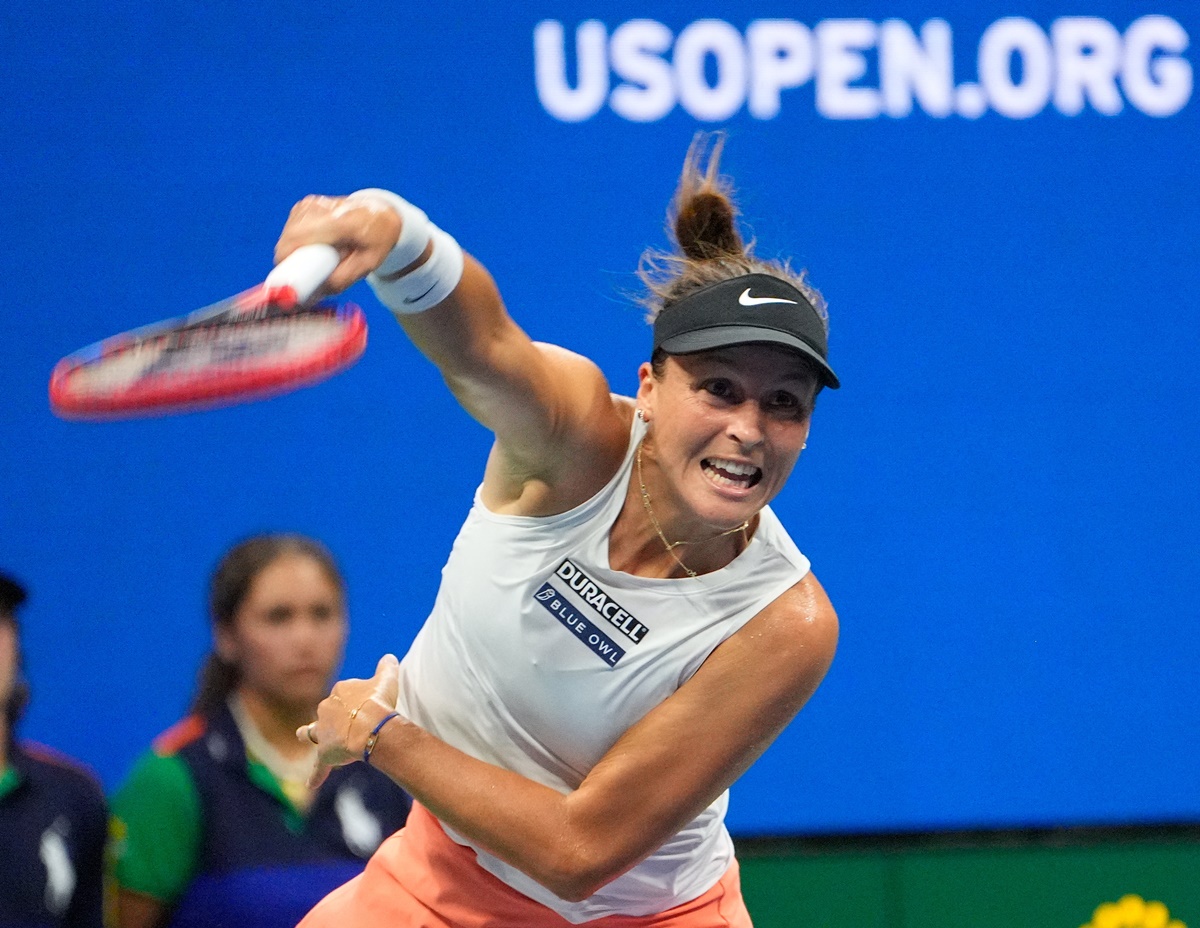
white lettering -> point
(649, 91)
(695, 44)
(970, 101)
(840, 44)
(1004, 39)
(861, 69)
(924, 67)
(781, 56)
(583, 101)
(1087, 52)
(1158, 85)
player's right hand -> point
(363, 229)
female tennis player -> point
(623, 625)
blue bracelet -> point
(374, 736)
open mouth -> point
(731, 473)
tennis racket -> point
(263, 342)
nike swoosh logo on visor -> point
(747, 300)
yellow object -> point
(1132, 911)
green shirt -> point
(9, 781)
(156, 826)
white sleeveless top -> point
(538, 656)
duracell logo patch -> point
(587, 628)
(604, 605)
(556, 603)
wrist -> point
(414, 230)
(362, 722)
(373, 737)
(426, 284)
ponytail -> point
(216, 680)
(703, 218)
(709, 248)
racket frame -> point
(170, 393)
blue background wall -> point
(1001, 501)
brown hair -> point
(230, 583)
(709, 248)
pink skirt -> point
(419, 878)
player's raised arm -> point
(545, 405)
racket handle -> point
(304, 270)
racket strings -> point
(234, 342)
(260, 343)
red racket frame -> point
(171, 393)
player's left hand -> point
(347, 715)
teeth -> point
(731, 473)
(721, 480)
(732, 467)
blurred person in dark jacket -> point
(52, 811)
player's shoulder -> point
(804, 611)
(581, 385)
(567, 359)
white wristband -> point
(415, 229)
(429, 284)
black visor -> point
(754, 308)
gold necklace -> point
(672, 545)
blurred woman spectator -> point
(216, 824)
